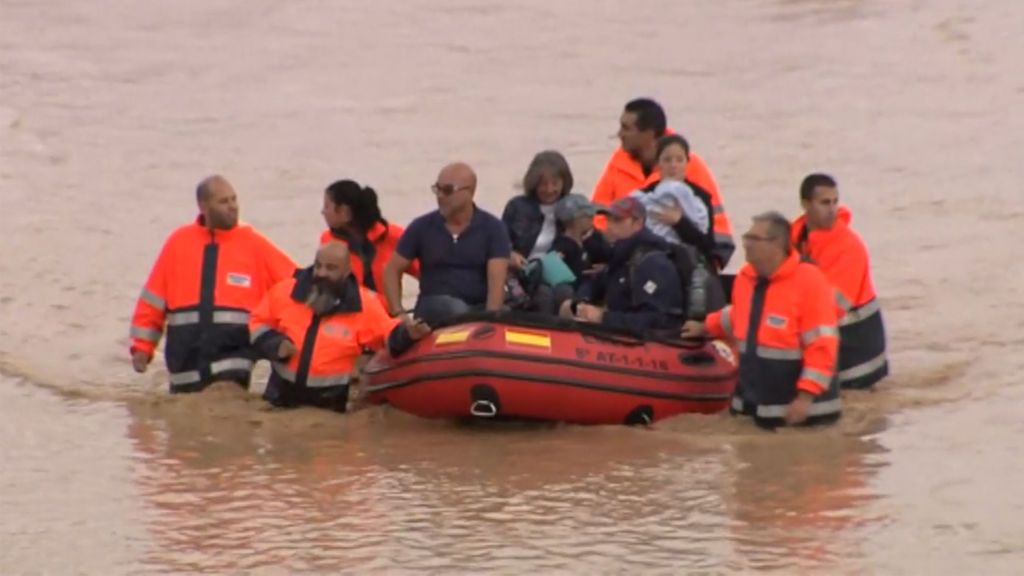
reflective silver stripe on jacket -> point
(862, 369)
(148, 334)
(179, 378)
(718, 210)
(779, 353)
(153, 300)
(311, 381)
(259, 331)
(809, 336)
(842, 301)
(727, 320)
(225, 365)
(770, 353)
(779, 410)
(182, 318)
(219, 317)
(859, 314)
(816, 376)
(724, 240)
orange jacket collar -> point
(200, 223)
(787, 268)
(374, 235)
(624, 162)
(843, 218)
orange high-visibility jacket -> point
(328, 345)
(842, 256)
(785, 330)
(623, 174)
(368, 260)
(203, 286)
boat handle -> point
(483, 409)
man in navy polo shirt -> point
(463, 253)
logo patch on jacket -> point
(776, 321)
(242, 280)
(650, 287)
(337, 331)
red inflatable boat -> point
(499, 368)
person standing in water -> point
(823, 236)
(209, 276)
(314, 327)
(782, 319)
(353, 217)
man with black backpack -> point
(640, 290)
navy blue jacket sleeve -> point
(656, 298)
(572, 254)
(268, 343)
(399, 341)
(592, 290)
(597, 247)
(517, 224)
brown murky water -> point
(110, 111)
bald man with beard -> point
(463, 253)
(314, 327)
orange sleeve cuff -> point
(713, 325)
(809, 386)
(142, 346)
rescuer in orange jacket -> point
(634, 165)
(783, 322)
(313, 329)
(210, 274)
(823, 236)
(352, 214)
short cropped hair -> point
(813, 181)
(778, 227)
(649, 115)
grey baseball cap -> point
(573, 206)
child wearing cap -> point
(580, 245)
(554, 277)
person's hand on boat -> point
(594, 270)
(693, 330)
(669, 213)
(285, 349)
(565, 310)
(141, 360)
(517, 261)
(417, 328)
(799, 408)
(589, 313)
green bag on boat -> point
(553, 269)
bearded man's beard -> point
(324, 295)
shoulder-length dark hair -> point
(547, 162)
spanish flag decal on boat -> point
(528, 339)
(453, 337)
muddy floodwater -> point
(111, 111)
